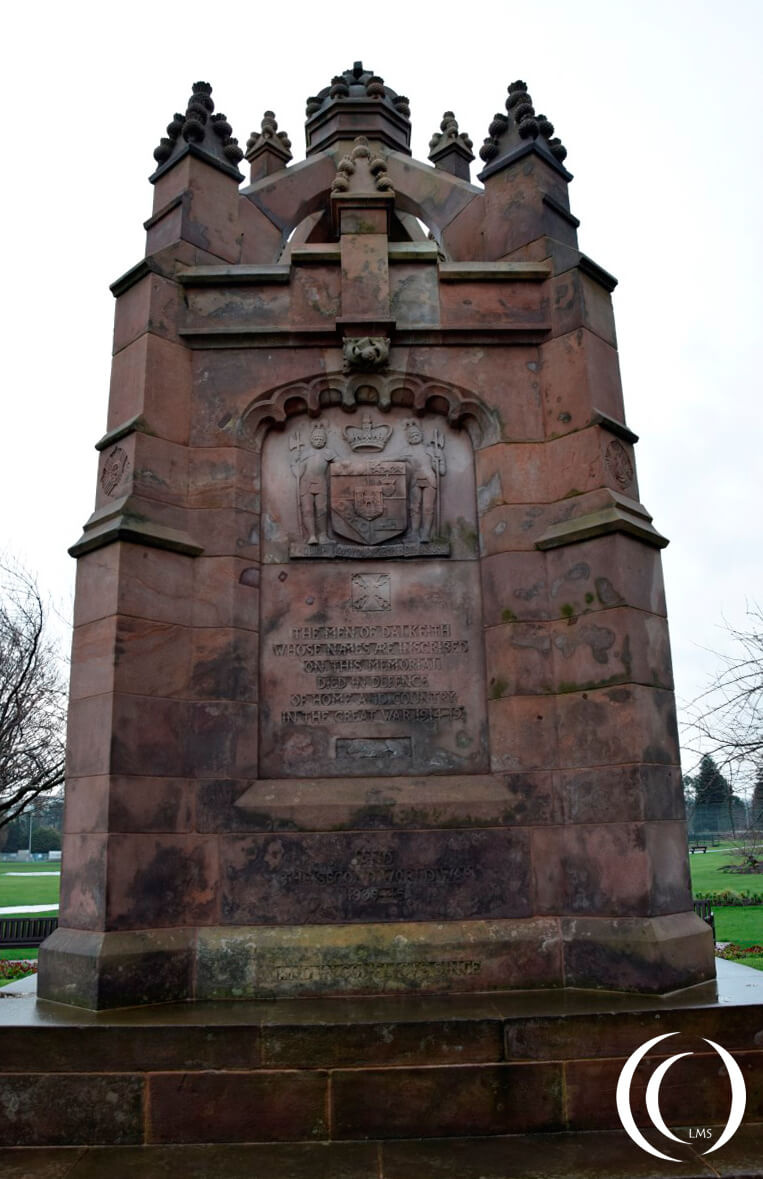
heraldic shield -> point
(368, 500)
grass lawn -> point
(743, 925)
(28, 889)
(707, 877)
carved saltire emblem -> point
(368, 500)
(371, 591)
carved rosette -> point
(113, 469)
(619, 464)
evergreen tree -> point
(756, 808)
(46, 839)
(713, 798)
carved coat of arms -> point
(368, 500)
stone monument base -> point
(388, 1070)
(653, 955)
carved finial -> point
(375, 87)
(451, 149)
(269, 139)
(339, 88)
(361, 173)
(402, 104)
(521, 124)
(209, 133)
(449, 134)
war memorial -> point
(374, 818)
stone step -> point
(384, 1068)
(538, 1156)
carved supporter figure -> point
(311, 471)
(427, 467)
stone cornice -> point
(621, 515)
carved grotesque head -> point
(365, 353)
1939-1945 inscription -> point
(372, 669)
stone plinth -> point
(387, 1070)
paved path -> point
(14, 909)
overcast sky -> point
(658, 104)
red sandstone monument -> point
(371, 687)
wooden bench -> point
(695, 847)
(25, 931)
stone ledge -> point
(413, 252)
(234, 275)
(435, 335)
(309, 253)
(597, 273)
(132, 276)
(597, 1154)
(560, 209)
(622, 515)
(619, 429)
(421, 957)
(514, 155)
(380, 803)
(116, 524)
(494, 271)
(160, 214)
(131, 426)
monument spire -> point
(358, 102)
(201, 133)
(269, 150)
(451, 149)
(518, 132)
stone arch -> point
(462, 408)
(430, 194)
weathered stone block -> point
(491, 1099)
(234, 1107)
(90, 1109)
(151, 380)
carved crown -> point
(367, 436)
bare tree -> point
(32, 696)
(727, 720)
